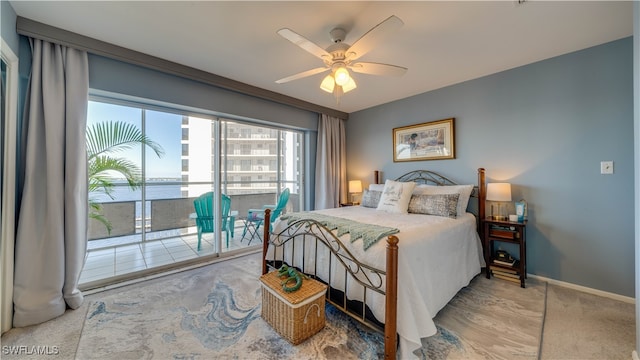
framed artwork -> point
(428, 141)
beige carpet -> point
(584, 326)
(490, 319)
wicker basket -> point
(296, 315)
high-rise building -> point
(254, 159)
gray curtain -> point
(331, 159)
(3, 97)
(52, 224)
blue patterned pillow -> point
(439, 205)
(371, 198)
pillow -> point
(463, 190)
(439, 205)
(395, 197)
(371, 199)
(376, 187)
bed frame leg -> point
(482, 196)
(265, 240)
(391, 300)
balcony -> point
(166, 239)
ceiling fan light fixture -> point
(328, 84)
(340, 56)
(342, 76)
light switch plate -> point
(606, 167)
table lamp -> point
(355, 186)
(499, 192)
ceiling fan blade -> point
(378, 69)
(304, 43)
(302, 74)
(378, 33)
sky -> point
(163, 128)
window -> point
(246, 149)
(160, 208)
(245, 165)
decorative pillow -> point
(376, 187)
(439, 205)
(395, 197)
(463, 190)
(370, 198)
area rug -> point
(214, 312)
(490, 319)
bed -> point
(396, 286)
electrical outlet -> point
(606, 167)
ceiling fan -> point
(340, 57)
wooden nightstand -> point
(508, 232)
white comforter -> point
(437, 257)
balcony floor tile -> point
(124, 257)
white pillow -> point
(396, 196)
(463, 190)
(376, 187)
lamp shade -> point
(350, 85)
(328, 84)
(342, 76)
(355, 186)
(499, 192)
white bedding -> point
(437, 257)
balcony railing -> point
(170, 217)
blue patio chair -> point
(255, 217)
(204, 215)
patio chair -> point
(204, 215)
(255, 217)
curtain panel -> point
(331, 159)
(52, 223)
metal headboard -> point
(432, 178)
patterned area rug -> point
(214, 312)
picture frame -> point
(427, 141)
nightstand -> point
(507, 232)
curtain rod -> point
(38, 30)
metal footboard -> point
(306, 237)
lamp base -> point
(499, 218)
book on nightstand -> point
(503, 277)
(505, 274)
(506, 263)
(502, 269)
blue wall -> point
(123, 78)
(543, 127)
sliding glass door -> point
(186, 156)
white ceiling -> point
(441, 43)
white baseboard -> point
(585, 289)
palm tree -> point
(104, 141)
